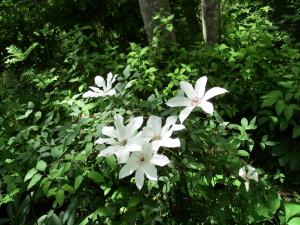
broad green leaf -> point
(95, 176)
(288, 112)
(30, 174)
(46, 186)
(296, 131)
(243, 153)
(244, 122)
(279, 107)
(27, 113)
(67, 187)
(41, 165)
(294, 221)
(57, 152)
(271, 98)
(291, 209)
(78, 181)
(60, 196)
(36, 178)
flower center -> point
(124, 142)
(141, 159)
(195, 101)
(156, 138)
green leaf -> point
(67, 187)
(27, 113)
(57, 152)
(288, 112)
(271, 98)
(36, 178)
(60, 197)
(291, 209)
(78, 181)
(296, 131)
(244, 122)
(279, 107)
(95, 176)
(243, 153)
(294, 221)
(41, 165)
(46, 186)
(30, 174)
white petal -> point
(119, 124)
(250, 169)
(109, 131)
(148, 132)
(170, 142)
(171, 120)
(178, 101)
(188, 89)
(200, 86)
(213, 92)
(109, 81)
(122, 155)
(254, 176)
(185, 113)
(109, 141)
(155, 145)
(126, 170)
(139, 178)
(99, 81)
(111, 92)
(95, 89)
(177, 127)
(133, 147)
(150, 171)
(154, 122)
(109, 151)
(207, 107)
(91, 94)
(134, 124)
(159, 160)
(247, 185)
(242, 172)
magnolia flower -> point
(123, 139)
(100, 83)
(248, 173)
(195, 97)
(161, 136)
(143, 162)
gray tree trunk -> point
(149, 9)
(211, 23)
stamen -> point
(195, 101)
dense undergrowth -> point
(50, 172)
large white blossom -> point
(143, 162)
(161, 135)
(248, 173)
(196, 97)
(106, 87)
(122, 139)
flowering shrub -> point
(138, 150)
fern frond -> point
(15, 54)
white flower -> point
(123, 139)
(161, 136)
(248, 173)
(195, 97)
(143, 162)
(100, 83)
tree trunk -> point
(149, 9)
(211, 23)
